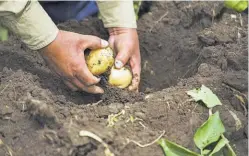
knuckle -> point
(69, 77)
(70, 86)
(83, 44)
(78, 66)
(90, 83)
(92, 89)
(87, 89)
(95, 40)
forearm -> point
(117, 14)
(29, 21)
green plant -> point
(210, 132)
(237, 5)
(3, 34)
(136, 5)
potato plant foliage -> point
(210, 132)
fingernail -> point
(104, 43)
(118, 64)
(98, 79)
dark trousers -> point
(61, 11)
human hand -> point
(125, 43)
(65, 57)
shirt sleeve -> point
(117, 13)
(28, 20)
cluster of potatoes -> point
(101, 61)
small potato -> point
(100, 60)
(120, 78)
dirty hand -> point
(65, 56)
(125, 43)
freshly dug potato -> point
(120, 78)
(100, 60)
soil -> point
(183, 45)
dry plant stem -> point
(111, 118)
(242, 103)
(7, 147)
(244, 107)
(241, 20)
(213, 15)
(4, 89)
(142, 124)
(161, 18)
(96, 103)
(235, 90)
(85, 133)
(149, 144)
(232, 88)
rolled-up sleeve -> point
(117, 13)
(29, 21)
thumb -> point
(93, 42)
(121, 58)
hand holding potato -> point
(124, 41)
(65, 56)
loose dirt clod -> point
(43, 113)
(113, 94)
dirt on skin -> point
(183, 45)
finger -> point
(93, 42)
(111, 42)
(135, 83)
(90, 89)
(136, 71)
(94, 90)
(86, 77)
(71, 86)
(122, 57)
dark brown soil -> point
(183, 45)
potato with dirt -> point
(120, 78)
(101, 61)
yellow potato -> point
(120, 78)
(100, 60)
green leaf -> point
(3, 34)
(237, 5)
(209, 132)
(219, 153)
(205, 152)
(219, 146)
(228, 149)
(205, 95)
(173, 149)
